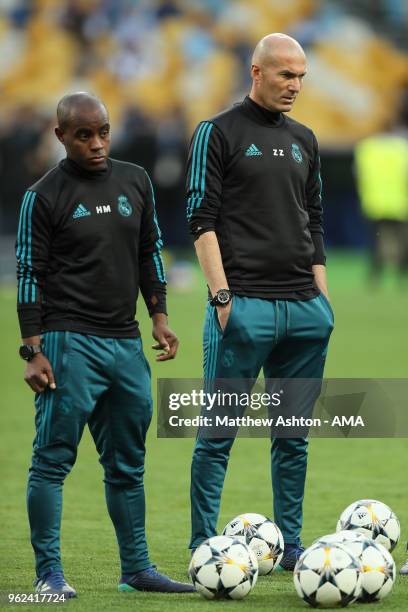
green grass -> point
(370, 340)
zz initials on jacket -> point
(278, 153)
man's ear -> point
(59, 134)
(255, 72)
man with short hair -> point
(88, 239)
(255, 212)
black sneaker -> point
(151, 580)
(291, 554)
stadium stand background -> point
(162, 65)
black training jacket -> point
(86, 242)
(253, 177)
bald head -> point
(278, 67)
(78, 105)
(273, 46)
(84, 130)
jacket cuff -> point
(200, 231)
(319, 257)
(156, 304)
(30, 322)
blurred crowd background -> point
(163, 65)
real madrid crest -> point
(124, 206)
(297, 153)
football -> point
(262, 536)
(373, 519)
(378, 567)
(328, 575)
(223, 567)
(378, 571)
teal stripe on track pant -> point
(103, 383)
(288, 339)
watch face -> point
(223, 297)
(28, 351)
(25, 352)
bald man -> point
(88, 240)
(255, 212)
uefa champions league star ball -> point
(378, 568)
(378, 571)
(223, 567)
(373, 519)
(352, 540)
(262, 536)
(327, 576)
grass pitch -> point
(370, 340)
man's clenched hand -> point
(167, 340)
(38, 374)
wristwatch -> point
(221, 298)
(29, 351)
